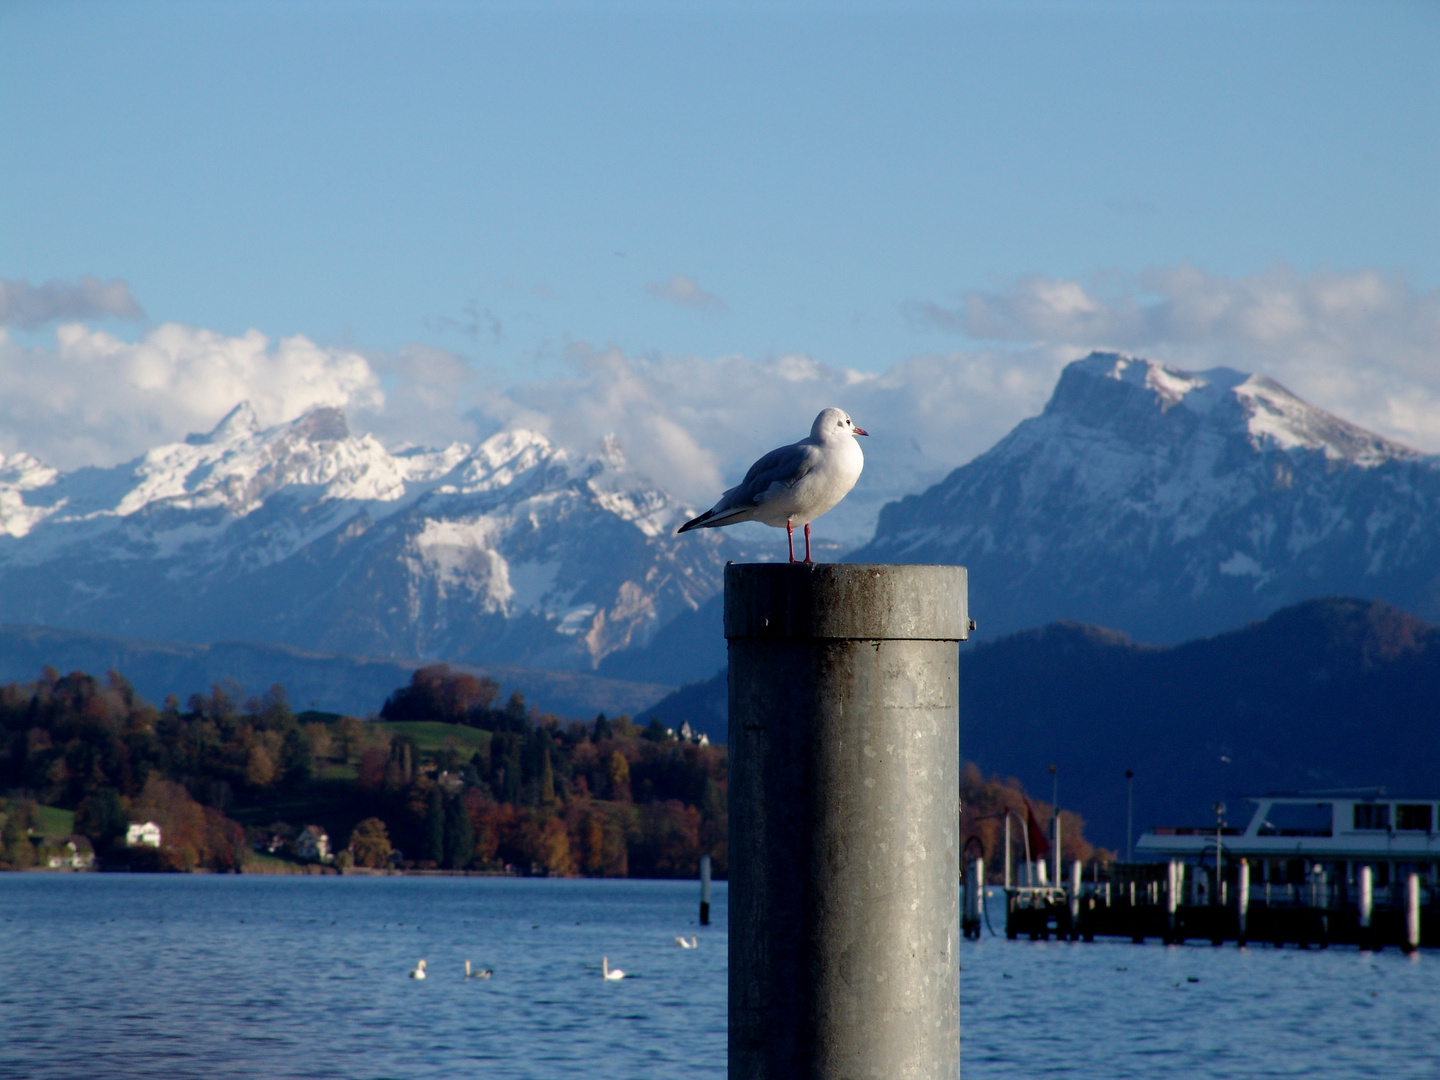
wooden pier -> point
(1156, 902)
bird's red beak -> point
(860, 431)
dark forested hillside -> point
(1326, 694)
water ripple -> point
(114, 977)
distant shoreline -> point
(320, 870)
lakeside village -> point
(447, 777)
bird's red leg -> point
(790, 536)
(807, 542)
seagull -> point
(608, 973)
(419, 972)
(692, 943)
(795, 484)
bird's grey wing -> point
(783, 466)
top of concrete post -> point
(846, 600)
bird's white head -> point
(834, 424)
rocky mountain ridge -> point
(1171, 504)
(305, 534)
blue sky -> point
(508, 184)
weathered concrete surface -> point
(844, 781)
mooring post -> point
(1367, 904)
(1412, 913)
(844, 842)
(1172, 899)
(704, 890)
(1076, 871)
(974, 898)
(1242, 898)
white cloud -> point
(1362, 345)
(31, 306)
(95, 399)
(686, 292)
(694, 425)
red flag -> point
(1039, 846)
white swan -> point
(483, 973)
(609, 973)
(693, 943)
(419, 972)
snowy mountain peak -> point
(308, 534)
(239, 423)
(1278, 416)
(1222, 398)
(1170, 504)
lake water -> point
(111, 976)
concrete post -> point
(704, 890)
(1367, 898)
(1172, 899)
(974, 898)
(1412, 913)
(1242, 897)
(1075, 874)
(844, 842)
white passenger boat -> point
(1314, 840)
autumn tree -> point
(370, 844)
(618, 773)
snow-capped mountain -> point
(1172, 504)
(509, 551)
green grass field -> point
(430, 736)
(56, 822)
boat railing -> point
(1139, 884)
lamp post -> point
(1129, 815)
(1219, 829)
(1055, 826)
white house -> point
(312, 843)
(77, 854)
(146, 835)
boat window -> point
(1372, 815)
(1298, 819)
(1413, 817)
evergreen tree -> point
(459, 835)
(435, 827)
(547, 777)
(505, 767)
(101, 817)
